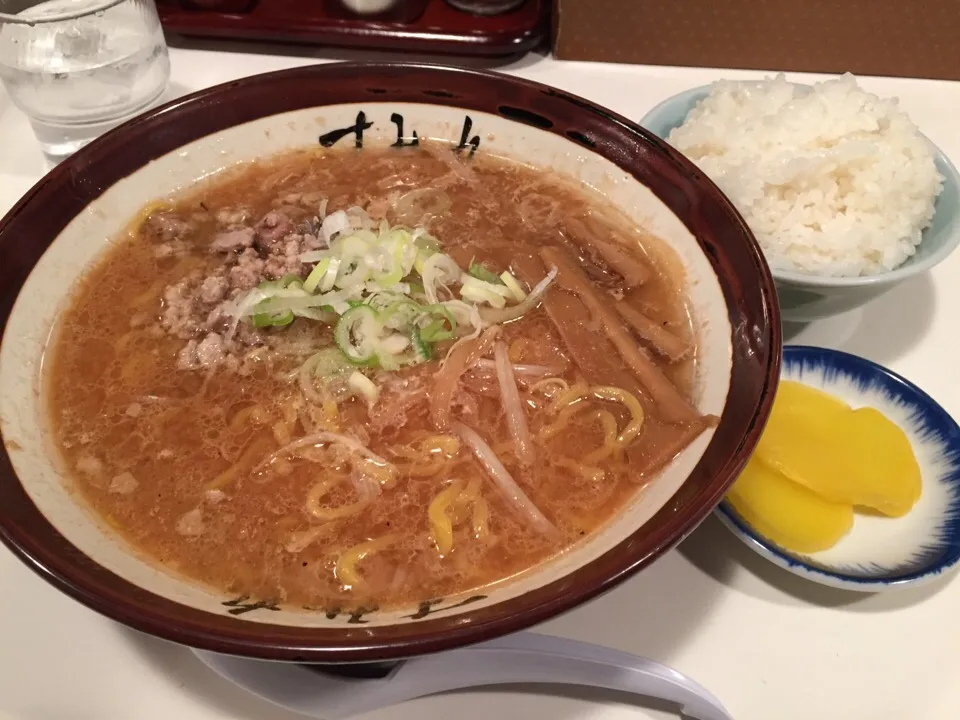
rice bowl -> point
(833, 180)
(804, 296)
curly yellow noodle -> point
(620, 395)
(444, 444)
(255, 415)
(550, 386)
(590, 473)
(429, 469)
(136, 225)
(281, 431)
(291, 411)
(429, 446)
(325, 416)
(384, 475)
(567, 402)
(259, 447)
(481, 519)
(610, 444)
(440, 523)
(577, 392)
(326, 514)
(433, 454)
(300, 541)
(472, 491)
(346, 569)
(307, 421)
(560, 424)
(460, 510)
(331, 413)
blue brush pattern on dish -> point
(879, 553)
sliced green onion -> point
(421, 259)
(330, 363)
(481, 273)
(494, 317)
(426, 246)
(511, 282)
(290, 281)
(387, 265)
(399, 243)
(439, 269)
(316, 275)
(357, 333)
(324, 314)
(296, 302)
(416, 289)
(352, 274)
(384, 283)
(478, 291)
(400, 288)
(422, 349)
(352, 246)
(364, 236)
(314, 256)
(364, 386)
(330, 277)
(268, 320)
(380, 301)
(434, 331)
(394, 344)
(425, 241)
(400, 314)
(334, 224)
(443, 326)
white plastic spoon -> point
(516, 659)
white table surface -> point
(769, 645)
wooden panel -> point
(910, 38)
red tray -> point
(424, 26)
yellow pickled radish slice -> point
(885, 474)
(853, 457)
(802, 418)
(786, 513)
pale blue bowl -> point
(804, 297)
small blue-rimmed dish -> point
(879, 553)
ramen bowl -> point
(70, 217)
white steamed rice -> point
(833, 181)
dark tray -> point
(423, 26)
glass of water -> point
(80, 67)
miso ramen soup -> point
(334, 380)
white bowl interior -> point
(48, 289)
